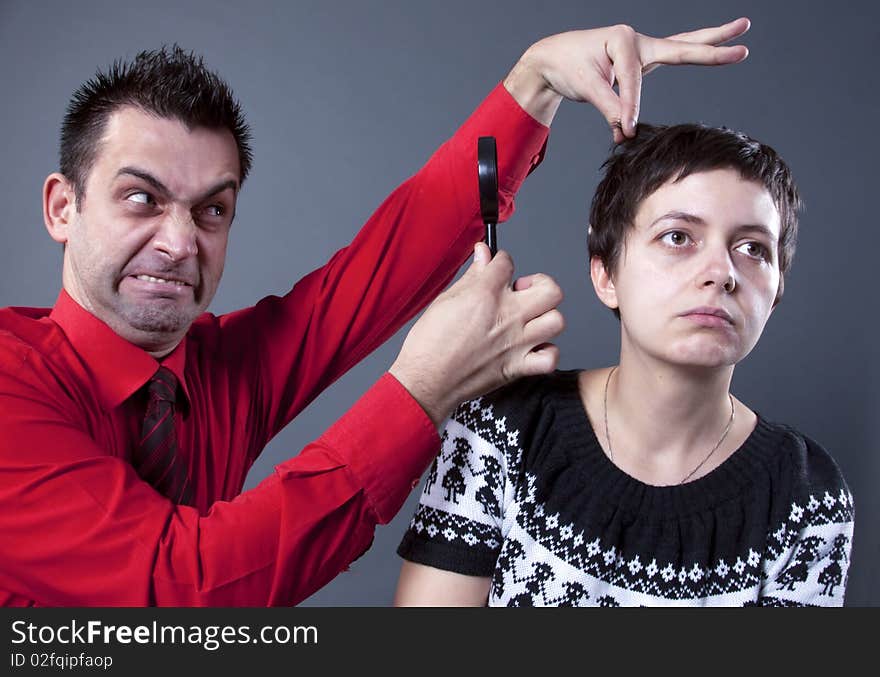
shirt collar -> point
(119, 368)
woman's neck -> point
(663, 420)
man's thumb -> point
(482, 255)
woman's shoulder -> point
(519, 400)
(809, 460)
(514, 418)
(818, 484)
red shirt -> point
(78, 527)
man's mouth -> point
(161, 280)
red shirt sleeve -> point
(404, 255)
(78, 527)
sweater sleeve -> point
(458, 525)
(809, 553)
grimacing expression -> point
(698, 275)
(146, 249)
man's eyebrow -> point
(219, 188)
(693, 218)
(145, 176)
(160, 187)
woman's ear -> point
(602, 283)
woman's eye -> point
(754, 250)
(675, 238)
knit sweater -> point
(523, 493)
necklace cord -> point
(701, 463)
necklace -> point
(700, 464)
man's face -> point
(698, 276)
(146, 251)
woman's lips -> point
(708, 316)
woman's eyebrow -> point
(677, 215)
(758, 228)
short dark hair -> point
(660, 153)
(168, 82)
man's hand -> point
(480, 334)
(584, 66)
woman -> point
(647, 483)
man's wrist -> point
(436, 406)
(530, 89)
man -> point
(130, 417)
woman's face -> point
(699, 271)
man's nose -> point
(176, 236)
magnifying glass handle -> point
(491, 238)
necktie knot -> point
(163, 386)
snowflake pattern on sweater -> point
(522, 492)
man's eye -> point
(754, 250)
(675, 238)
(141, 198)
(214, 210)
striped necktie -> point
(156, 459)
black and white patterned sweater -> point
(523, 492)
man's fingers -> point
(675, 52)
(623, 52)
(715, 35)
(541, 360)
(605, 99)
(499, 268)
(541, 329)
(542, 295)
(482, 253)
(527, 281)
(628, 69)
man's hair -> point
(169, 83)
(658, 154)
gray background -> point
(346, 99)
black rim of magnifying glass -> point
(487, 170)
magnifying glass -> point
(487, 171)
